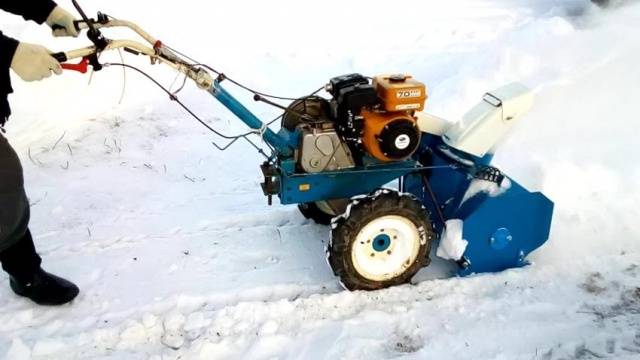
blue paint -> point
(500, 239)
(298, 188)
(281, 145)
(526, 215)
(291, 138)
(518, 221)
(288, 166)
(381, 242)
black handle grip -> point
(60, 57)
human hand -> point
(61, 23)
(34, 62)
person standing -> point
(31, 63)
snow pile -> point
(178, 255)
(452, 245)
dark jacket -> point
(36, 10)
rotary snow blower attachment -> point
(389, 179)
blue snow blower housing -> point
(335, 157)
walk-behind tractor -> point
(389, 179)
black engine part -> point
(399, 139)
(351, 93)
(340, 82)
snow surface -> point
(178, 255)
(451, 245)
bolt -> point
(395, 237)
(388, 252)
(372, 254)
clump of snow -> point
(173, 336)
(452, 245)
(491, 188)
(133, 334)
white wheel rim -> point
(385, 248)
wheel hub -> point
(385, 247)
(381, 242)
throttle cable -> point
(175, 98)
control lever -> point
(93, 34)
(81, 67)
(99, 41)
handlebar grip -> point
(60, 57)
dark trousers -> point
(17, 252)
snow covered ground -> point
(178, 255)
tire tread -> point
(363, 210)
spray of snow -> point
(492, 189)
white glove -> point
(34, 62)
(62, 18)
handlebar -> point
(153, 49)
(82, 25)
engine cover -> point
(400, 92)
(322, 149)
(390, 136)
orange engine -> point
(391, 131)
(390, 136)
(400, 92)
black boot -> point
(45, 289)
(29, 280)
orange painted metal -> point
(374, 123)
(400, 92)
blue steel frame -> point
(282, 145)
(501, 230)
(297, 187)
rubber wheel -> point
(382, 240)
(323, 212)
(313, 212)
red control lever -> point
(81, 67)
